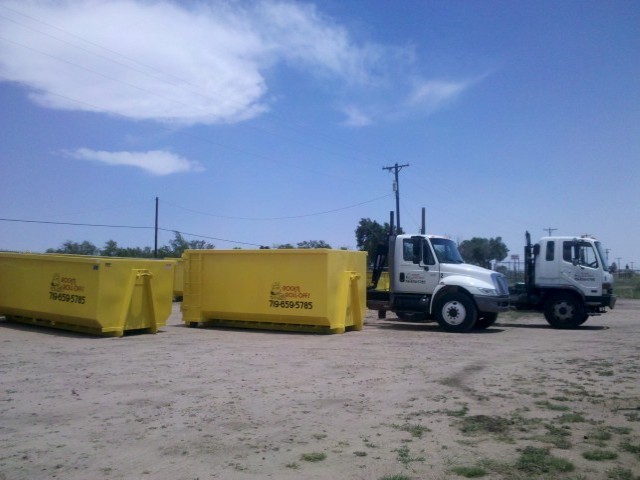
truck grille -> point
(500, 281)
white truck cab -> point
(429, 280)
(566, 277)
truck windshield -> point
(446, 250)
(603, 257)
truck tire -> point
(456, 312)
(564, 310)
(485, 320)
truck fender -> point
(442, 289)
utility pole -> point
(396, 186)
(155, 245)
(550, 230)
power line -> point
(278, 218)
(124, 226)
(72, 223)
(210, 238)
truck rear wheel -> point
(456, 312)
(564, 311)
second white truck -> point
(567, 278)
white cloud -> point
(434, 93)
(164, 61)
(202, 62)
(156, 162)
(356, 117)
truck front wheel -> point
(456, 312)
(564, 311)
(485, 320)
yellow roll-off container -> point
(99, 295)
(319, 290)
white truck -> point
(428, 280)
(567, 278)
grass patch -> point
(415, 430)
(571, 418)
(469, 472)
(552, 406)
(619, 473)
(404, 456)
(598, 436)
(599, 455)
(293, 466)
(458, 413)
(313, 457)
(627, 446)
(360, 454)
(395, 477)
(556, 436)
(632, 417)
(535, 461)
(620, 430)
(478, 424)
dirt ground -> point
(518, 400)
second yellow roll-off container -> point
(307, 289)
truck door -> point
(419, 278)
(581, 266)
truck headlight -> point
(488, 291)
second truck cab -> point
(567, 278)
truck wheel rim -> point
(454, 313)
(563, 311)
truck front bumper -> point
(492, 304)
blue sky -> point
(269, 122)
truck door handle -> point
(402, 277)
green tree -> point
(110, 249)
(74, 248)
(179, 244)
(481, 251)
(370, 235)
(313, 244)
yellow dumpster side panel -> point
(91, 294)
(301, 289)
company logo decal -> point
(289, 296)
(66, 289)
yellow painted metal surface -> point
(178, 276)
(308, 289)
(100, 295)
(383, 281)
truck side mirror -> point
(417, 249)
